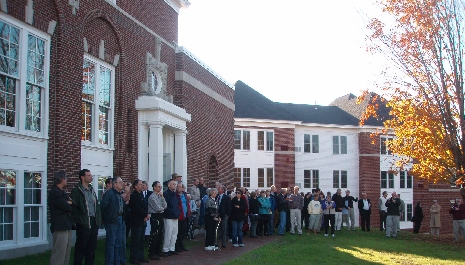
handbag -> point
(245, 227)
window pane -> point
(9, 46)
(88, 81)
(7, 187)
(335, 178)
(103, 125)
(383, 179)
(343, 144)
(7, 101)
(316, 179)
(343, 179)
(6, 224)
(105, 86)
(237, 177)
(383, 145)
(315, 144)
(391, 180)
(409, 182)
(261, 177)
(246, 177)
(237, 139)
(33, 106)
(409, 212)
(86, 121)
(335, 144)
(261, 140)
(246, 140)
(307, 180)
(402, 179)
(269, 177)
(306, 143)
(269, 141)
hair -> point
(418, 203)
(58, 177)
(222, 188)
(174, 175)
(210, 191)
(253, 194)
(384, 192)
(113, 180)
(144, 182)
(262, 191)
(155, 183)
(82, 173)
(135, 182)
(194, 180)
(239, 190)
(296, 187)
(171, 180)
(108, 180)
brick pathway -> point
(197, 255)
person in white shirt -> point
(315, 210)
(382, 211)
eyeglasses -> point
(238, 192)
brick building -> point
(100, 85)
(324, 147)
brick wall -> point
(284, 161)
(211, 128)
(369, 168)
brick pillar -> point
(369, 170)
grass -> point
(348, 247)
(44, 258)
(352, 247)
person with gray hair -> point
(211, 219)
(61, 221)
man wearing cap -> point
(349, 205)
(382, 211)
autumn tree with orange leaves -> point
(424, 39)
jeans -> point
(271, 224)
(123, 243)
(329, 219)
(282, 224)
(113, 243)
(222, 230)
(237, 231)
(391, 225)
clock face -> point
(155, 82)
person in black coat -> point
(417, 218)
(139, 216)
(224, 210)
(60, 205)
(364, 208)
(254, 214)
(238, 210)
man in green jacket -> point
(86, 214)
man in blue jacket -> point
(170, 219)
(112, 214)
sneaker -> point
(334, 235)
(241, 245)
(209, 248)
(235, 245)
(326, 234)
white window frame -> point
(338, 174)
(96, 103)
(389, 175)
(267, 146)
(311, 178)
(311, 143)
(383, 140)
(340, 145)
(21, 81)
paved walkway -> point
(197, 255)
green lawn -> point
(354, 247)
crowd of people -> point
(160, 220)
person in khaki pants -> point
(60, 206)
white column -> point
(180, 154)
(155, 153)
(143, 151)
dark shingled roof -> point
(251, 104)
(349, 104)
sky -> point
(294, 51)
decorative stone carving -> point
(156, 77)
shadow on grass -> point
(354, 247)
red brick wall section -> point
(284, 169)
(425, 193)
(369, 170)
